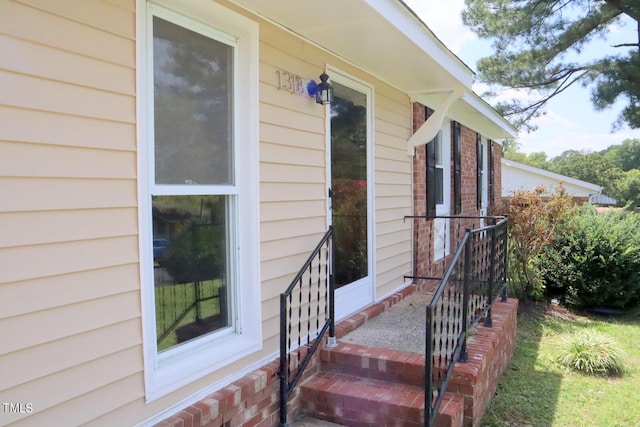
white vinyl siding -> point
(293, 187)
(393, 187)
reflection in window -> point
(191, 267)
(349, 183)
(193, 92)
(439, 170)
(193, 145)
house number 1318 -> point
(290, 82)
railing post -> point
(284, 372)
(332, 341)
(428, 367)
(488, 322)
(505, 262)
(465, 297)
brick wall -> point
(490, 350)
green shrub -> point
(593, 353)
(594, 260)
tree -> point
(533, 43)
(628, 188)
(625, 156)
(591, 167)
(511, 151)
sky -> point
(570, 122)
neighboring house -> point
(517, 176)
(163, 162)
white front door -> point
(350, 193)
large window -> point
(198, 212)
(439, 169)
(193, 190)
(438, 186)
(456, 141)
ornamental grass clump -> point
(593, 353)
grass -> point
(536, 390)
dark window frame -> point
(430, 166)
(456, 141)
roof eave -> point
(383, 37)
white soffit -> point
(383, 37)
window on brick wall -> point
(438, 186)
(432, 182)
(456, 141)
(479, 171)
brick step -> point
(358, 401)
(375, 363)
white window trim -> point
(168, 372)
(484, 206)
(485, 175)
(442, 225)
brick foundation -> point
(251, 401)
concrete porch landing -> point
(401, 327)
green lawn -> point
(536, 391)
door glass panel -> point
(349, 184)
(193, 93)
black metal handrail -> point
(308, 301)
(453, 229)
(471, 283)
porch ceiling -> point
(387, 39)
(383, 37)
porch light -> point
(324, 92)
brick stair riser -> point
(380, 364)
(353, 401)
